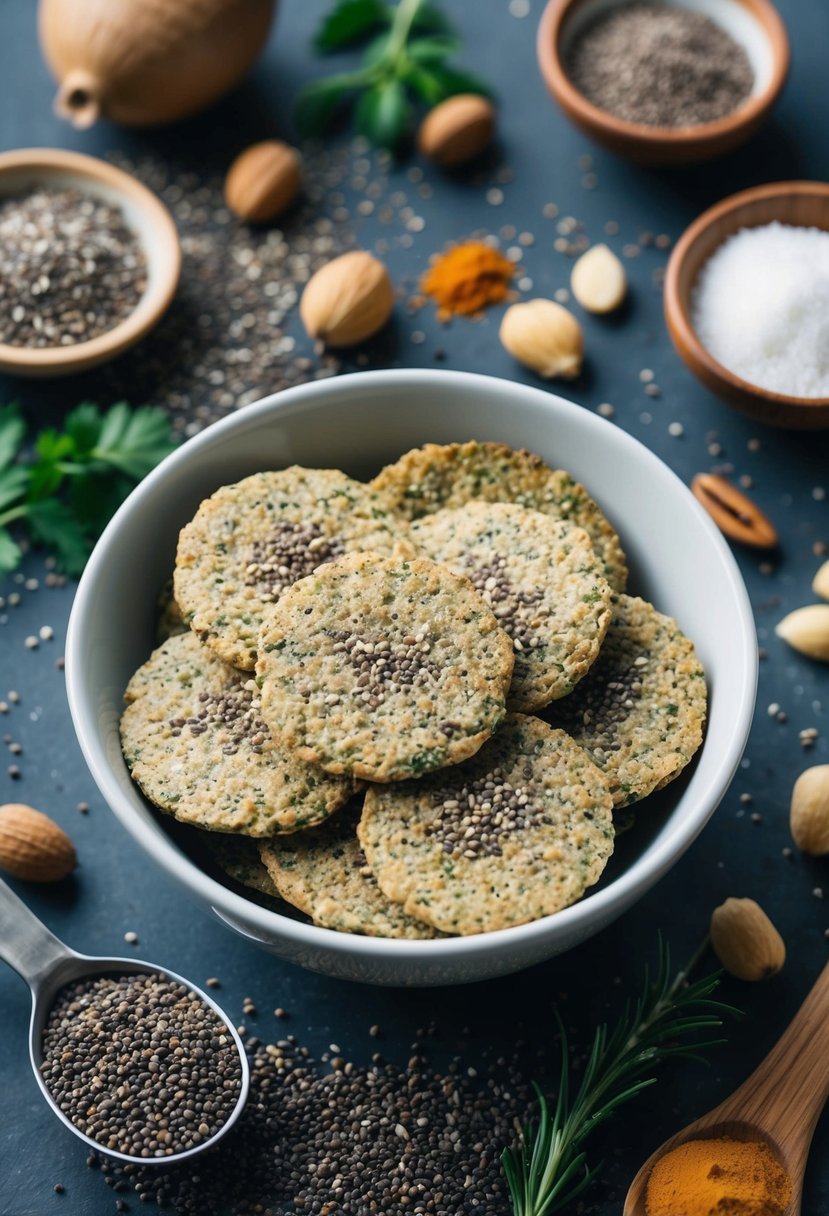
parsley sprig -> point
(548, 1168)
(64, 488)
(404, 61)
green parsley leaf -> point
(133, 441)
(10, 552)
(349, 22)
(382, 113)
(425, 84)
(453, 81)
(430, 20)
(14, 482)
(318, 103)
(83, 426)
(12, 430)
(51, 525)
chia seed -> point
(237, 711)
(288, 555)
(70, 268)
(140, 1064)
(515, 611)
(353, 1140)
(475, 820)
(382, 667)
(660, 65)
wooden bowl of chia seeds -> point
(670, 82)
(89, 261)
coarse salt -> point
(761, 308)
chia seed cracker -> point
(70, 268)
(542, 581)
(383, 668)
(324, 873)
(640, 711)
(450, 475)
(238, 858)
(250, 541)
(514, 834)
(195, 742)
(140, 1064)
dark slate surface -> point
(118, 889)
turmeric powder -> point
(467, 279)
(720, 1177)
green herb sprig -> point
(404, 61)
(672, 1017)
(64, 488)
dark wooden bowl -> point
(659, 145)
(800, 203)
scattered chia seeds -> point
(476, 820)
(516, 611)
(660, 65)
(70, 269)
(287, 556)
(353, 1140)
(140, 1064)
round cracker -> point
(452, 853)
(195, 743)
(450, 475)
(640, 710)
(543, 582)
(249, 541)
(383, 668)
(323, 872)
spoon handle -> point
(786, 1093)
(25, 942)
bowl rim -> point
(600, 905)
(677, 308)
(646, 136)
(167, 258)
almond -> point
(733, 512)
(263, 181)
(32, 846)
(347, 300)
(809, 812)
(598, 280)
(807, 630)
(745, 941)
(544, 336)
(820, 583)
(457, 130)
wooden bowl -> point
(755, 24)
(800, 203)
(144, 214)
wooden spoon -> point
(779, 1103)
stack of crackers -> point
(409, 708)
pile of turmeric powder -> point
(721, 1177)
(467, 279)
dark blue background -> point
(117, 889)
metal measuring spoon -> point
(47, 965)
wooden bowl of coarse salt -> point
(673, 82)
(89, 261)
(747, 302)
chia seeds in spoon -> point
(660, 65)
(140, 1064)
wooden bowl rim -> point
(650, 137)
(677, 314)
(166, 258)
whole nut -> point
(598, 280)
(820, 583)
(545, 337)
(32, 846)
(263, 181)
(809, 811)
(807, 630)
(347, 300)
(745, 941)
(733, 512)
(457, 130)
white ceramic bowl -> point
(359, 422)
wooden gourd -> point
(148, 62)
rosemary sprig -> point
(548, 1168)
(404, 60)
